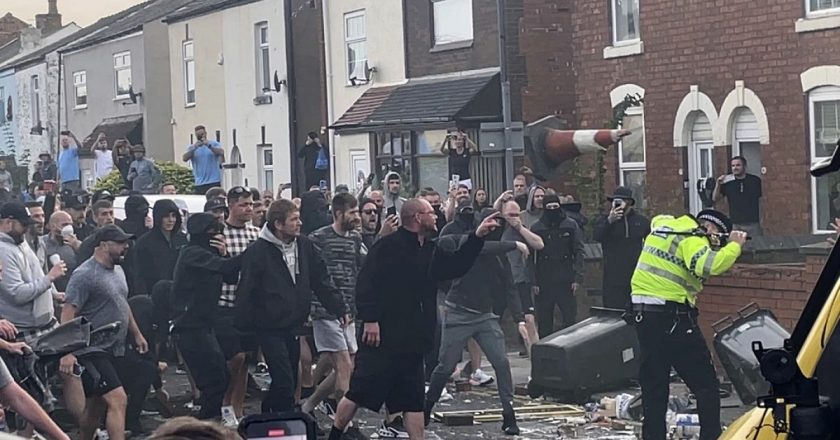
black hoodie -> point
(155, 255)
(136, 210)
(314, 211)
(489, 281)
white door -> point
(700, 159)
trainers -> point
(480, 378)
(509, 426)
(353, 433)
(229, 419)
(445, 396)
(327, 407)
(101, 434)
(262, 368)
(394, 429)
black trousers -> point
(617, 297)
(208, 368)
(202, 189)
(136, 373)
(669, 340)
(430, 359)
(551, 296)
(282, 354)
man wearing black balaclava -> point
(559, 266)
(136, 214)
(201, 267)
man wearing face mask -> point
(559, 266)
(197, 286)
(679, 255)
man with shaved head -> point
(63, 245)
(399, 324)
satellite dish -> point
(278, 83)
(133, 95)
(369, 71)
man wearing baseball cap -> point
(25, 292)
(678, 256)
(98, 292)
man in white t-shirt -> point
(104, 157)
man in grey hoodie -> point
(393, 201)
(26, 294)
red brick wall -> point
(483, 53)
(710, 44)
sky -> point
(83, 12)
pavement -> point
(479, 398)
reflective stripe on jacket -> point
(674, 267)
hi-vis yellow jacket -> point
(674, 267)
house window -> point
(267, 168)
(356, 43)
(36, 101)
(625, 23)
(824, 109)
(189, 73)
(631, 155)
(396, 149)
(820, 6)
(122, 74)
(263, 67)
(452, 21)
(80, 85)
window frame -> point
(354, 40)
(820, 94)
(189, 60)
(820, 12)
(77, 84)
(35, 94)
(261, 149)
(121, 68)
(614, 30)
(262, 58)
(459, 42)
(633, 166)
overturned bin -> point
(600, 353)
(733, 344)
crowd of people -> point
(345, 300)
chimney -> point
(30, 38)
(50, 22)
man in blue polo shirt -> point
(68, 162)
(206, 157)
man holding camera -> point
(206, 157)
(622, 234)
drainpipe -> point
(329, 76)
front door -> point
(700, 167)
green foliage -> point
(180, 175)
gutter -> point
(291, 95)
(330, 102)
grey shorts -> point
(331, 337)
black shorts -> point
(99, 376)
(231, 340)
(526, 298)
(395, 379)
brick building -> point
(718, 79)
(10, 27)
(451, 81)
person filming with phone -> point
(622, 234)
(743, 192)
(460, 148)
(206, 157)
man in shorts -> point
(340, 246)
(98, 291)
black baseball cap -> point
(102, 194)
(112, 233)
(16, 211)
(214, 204)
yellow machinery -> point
(804, 402)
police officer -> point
(678, 256)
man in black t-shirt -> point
(743, 192)
(459, 148)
